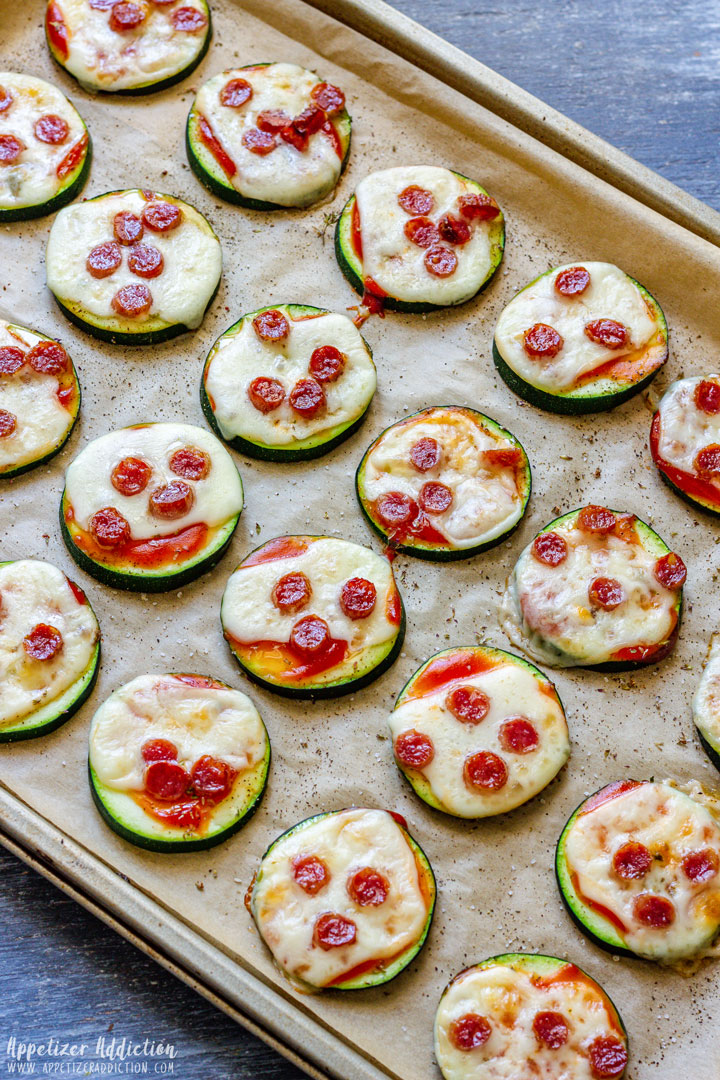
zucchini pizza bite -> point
(344, 900)
(477, 731)
(49, 648)
(522, 1015)
(128, 46)
(313, 616)
(580, 339)
(150, 507)
(445, 483)
(706, 704)
(39, 398)
(288, 383)
(133, 267)
(596, 588)
(685, 440)
(269, 136)
(177, 762)
(637, 865)
(44, 148)
(419, 237)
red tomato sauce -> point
(285, 547)
(687, 482)
(279, 660)
(447, 669)
(208, 137)
(156, 552)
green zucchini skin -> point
(712, 752)
(390, 973)
(690, 500)
(22, 732)
(74, 185)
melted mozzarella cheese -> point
(513, 691)
(249, 615)
(546, 610)
(394, 262)
(610, 295)
(33, 592)
(486, 502)
(287, 176)
(510, 999)
(33, 178)
(88, 486)
(346, 841)
(42, 422)
(240, 356)
(103, 59)
(685, 429)
(671, 825)
(199, 720)
(706, 703)
(191, 253)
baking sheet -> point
(496, 887)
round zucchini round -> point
(466, 737)
(414, 453)
(130, 293)
(191, 805)
(349, 244)
(688, 458)
(615, 375)
(241, 356)
(292, 606)
(219, 172)
(301, 843)
(30, 655)
(96, 516)
(88, 26)
(604, 642)
(576, 1030)
(705, 705)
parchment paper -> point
(496, 885)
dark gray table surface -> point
(646, 77)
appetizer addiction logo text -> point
(107, 1056)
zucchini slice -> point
(580, 339)
(177, 762)
(444, 483)
(44, 148)
(288, 383)
(596, 588)
(685, 441)
(150, 507)
(49, 649)
(133, 267)
(478, 731)
(268, 136)
(344, 900)
(39, 398)
(638, 868)
(114, 50)
(313, 616)
(447, 234)
(706, 704)
(523, 1014)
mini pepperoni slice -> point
(310, 635)
(549, 548)
(425, 454)
(48, 358)
(655, 911)
(272, 120)
(212, 779)
(11, 359)
(330, 98)
(271, 325)
(43, 642)
(395, 508)
(298, 139)
(485, 771)
(468, 704)
(551, 1028)
(8, 423)
(190, 463)
(10, 149)
(173, 500)
(435, 498)
(707, 461)
(130, 476)
(145, 261)
(469, 1032)
(358, 597)
(311, 873)
(334, 931)
(416, 200)
(109, 527)
(189, 19)
(307, 398)
(235, 93)
(606, 593)
(51, 129)
(572, 281)
(701, 866)
(414, 750)
(104, 259)
(478, 207)
(596, 519)
(421, 231)
(543, 341)
(166, 780)
(6, 99)
(670, 571)
(632, 861)
(292, 593)
(368, 887)
(125, 16)
(440, 261)
(309, 120)
(132, 301)
(326, 363)
(607, 332)
(161, 217)
(707, 397)
(453, 229)
(259, 142)
(518, 735)
(608, 1057)
(158, 750)
(127, 228)
(266, 394)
